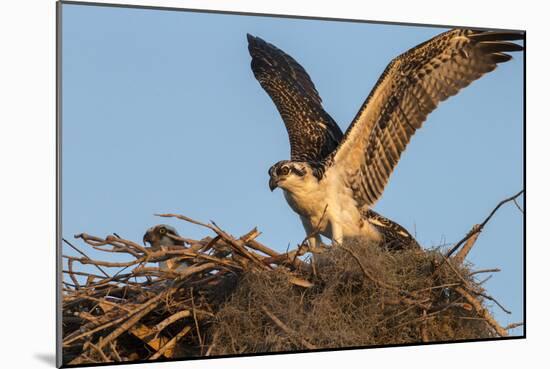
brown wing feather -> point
(410, 88)
(312, 132)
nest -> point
(238, 296)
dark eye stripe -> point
(298, 171)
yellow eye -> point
(162, 230)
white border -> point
(27, 147)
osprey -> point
(165, 237)
(333, 179)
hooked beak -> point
(146, 239)
(273, 183)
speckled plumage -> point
(346, 175)
(312, 132)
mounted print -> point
(238, 184)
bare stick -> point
(171, 319)
(469, 244)
(69, 339)
(514, 325)
(146, 309)
(71, 274)
(494, 270)
(170, 344)
(261, 247)
(488, 297)
(482, 312)
(424, 327)
(195, 318)
(480, 228)
(237, 244)
(290, 332)
(86, 256)
(100, 352)
(114, 351)
(519, 207)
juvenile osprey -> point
(332, 180)
(165, 237)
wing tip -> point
(496, 44)
(497, 35)
(256, 45)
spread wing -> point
(410, 88)
(313, 134)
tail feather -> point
(395, 237)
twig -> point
(145, 309)
(86, 256)
(100, 352)
(469, 244)
(482, 312)
(112, 346)
(171, 319)
(494, 270)
(195, 319)
(290, 332)
(514, 325)
(261, 247)
(170, 344)
(424, 327)
(519, 207)
(237, 244)
(488, 297)
(480, 228)
(71, 274)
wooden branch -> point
(70, 339)
(147, 335)
(171, 319)
(238, 245)
(489, 297)
(290, 332)
(86, 256)
(519, 207)
(112, 346)
(170, 345)
(493, 270)
(100, 352)
(480, 228)
(261, 247)
(514, 325)
(71, 274)
(469, 244)
(482, 312)
(144, 310)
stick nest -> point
(238, 296)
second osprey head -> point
(289, 175)
(161, 235)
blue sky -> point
(161, 113)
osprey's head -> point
(161, 235)
(288, 174)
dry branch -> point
(482, 312)
(291, 333)
(480, 227)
